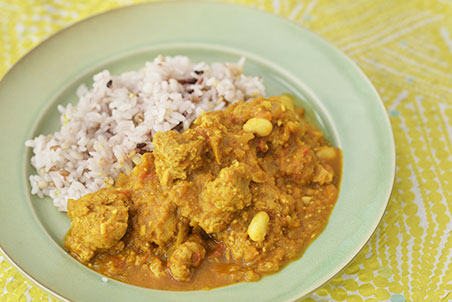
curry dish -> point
(237, 196)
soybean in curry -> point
(237, 196)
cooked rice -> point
(115, 121)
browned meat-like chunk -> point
(176, 153)
(155, 219)
(186, 256)
(228, 193)
(230, 190)
(299, 163)
(211, 126)
(99, 221)
(324, 174)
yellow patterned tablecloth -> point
(405, 48)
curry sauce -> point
(235, 197)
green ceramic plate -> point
(290, 59)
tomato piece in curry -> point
(237, 196)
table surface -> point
(405, 48)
